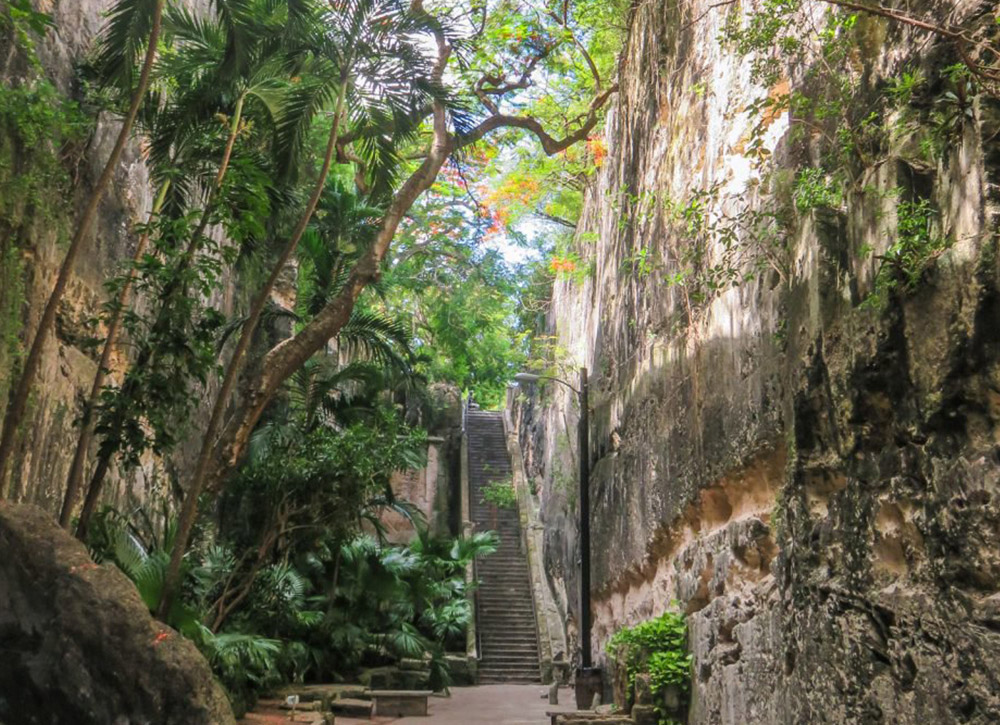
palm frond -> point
(380, 338)
(123, 42)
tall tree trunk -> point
(289, 355)
(75, 478)
(19, 400)
(189, 509)
(194, 245)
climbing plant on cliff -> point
(42, 134)
(860, 122)
(213, 152)
(220, 85)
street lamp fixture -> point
(588, 677)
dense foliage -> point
(321, 607)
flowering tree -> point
(516, 67)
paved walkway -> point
(486, 704)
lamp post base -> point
(589, 682)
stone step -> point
(512, 637)
(500, 668)
(511, 647)
(503, 571)
(494, 670)
(525, 657)
(488, 675)
(508, 566)
(350, 707)
(508, 561)
(491, 647)
(511, 560)
(518, 660)
(494, 648)
(513, 625)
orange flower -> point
(562, 265)
(597, 149)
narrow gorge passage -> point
(722, 278)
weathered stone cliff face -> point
(49, 434)
(78, 645)
(814, 479)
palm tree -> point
(234, 65)
(133, 25)
(377, 76)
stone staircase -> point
(506, 616)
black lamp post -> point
(588, 677)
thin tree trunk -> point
(19, 400)
(104, 458)
(243, 591)
(93, 494)
(75, 478)
(189, 509)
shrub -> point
(501, 494)
(657, 648)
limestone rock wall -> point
(435, 489)
(73, 633)
(812, 478)
(68, 367)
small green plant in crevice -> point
(916, 248)
(656, 648)
(11, 297)
(814, 189)
(25, 26)
(41, 137)
(641, 264)
(500, 494)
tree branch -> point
(550, 144)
